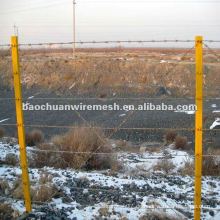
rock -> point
(177, 196)
(162, 90)
(211, 213)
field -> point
(113, 164)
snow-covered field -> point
(137, 191)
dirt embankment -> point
(114, 72)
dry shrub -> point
(1, 132)
(103, 160)
(156, 216)
(34, 137)
(187, 170)
(164, 165)
(104, 211)
(5, 211)
(210, 166)
(45, 156)
(45, 178)
(11, 159)
(4, 186)
(44, 193)
(121, 143)
(85, 145)
(40, 193)
(181, 143)
(170, 136)
(18, 192)
(153, 149)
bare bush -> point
(156, 216)
(11, 159)
(4, 186)
(34, 137)
(78, 148)
(1, 132)
(17, 191)
(5, 211)
(181, 143)
(104, 211)
(164, 165)
(44, 193)
(187, 169)
(210, 166)
(41, 193)
(45, 156)
(170, 136)
(45, 178)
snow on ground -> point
(187, 112)
(215, 123)
(6, 119)
(132, 193)
(216, 111)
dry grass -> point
(211, 165)
(11, 159)
(45, 178)
(106, 71)
(17, 191)
(170, 136)
(43, 158)
(1, 132)
(86, 147)
(4, 187)
(5, 211)
(164, 165)
(40, 193)
(181, 143)
(157, 216)
(44, 193)
(34, 137)
(104, 211)
(188, 169)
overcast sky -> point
(51, 20)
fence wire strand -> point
(120, 126)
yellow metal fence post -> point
(198, 126)
(20, 122)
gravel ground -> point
(81, 194)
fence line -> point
(111, 98)
(110, 41)
(169, 156)
(108, 128)
(198, 129)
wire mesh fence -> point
(121, 144)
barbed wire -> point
(109, 41)
(102, 99)
(106, 128)
(168, 156)
(110, 98)
(212, 51)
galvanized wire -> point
(168, 156)
(106, 128)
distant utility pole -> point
(74, 27)
(15, 30)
